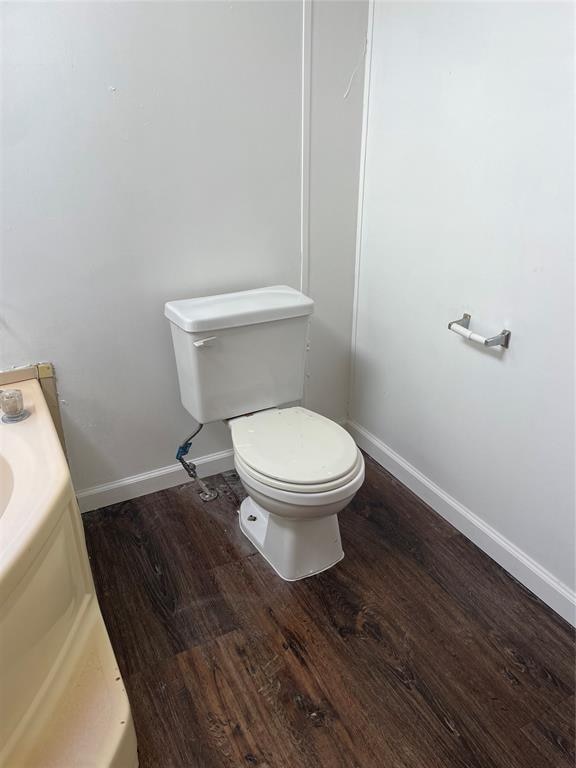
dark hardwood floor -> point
(416, 651)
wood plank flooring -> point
(416, 651)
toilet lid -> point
(294, 445)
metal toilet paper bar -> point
(461, 327)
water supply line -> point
(206, 494)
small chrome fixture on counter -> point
(12, 406)
(461, 328)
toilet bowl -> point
(299, 470)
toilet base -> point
(294, 548)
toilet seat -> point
(296, 463)
(294, 448)
(271, 482)
(302, 498)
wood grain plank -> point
(165, 719)
(156, 594)
(258, 707)
(553, 734)
(499, 609)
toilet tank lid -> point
(228, 310)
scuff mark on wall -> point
(356, 68)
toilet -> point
(240, 358)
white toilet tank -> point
(240, 352)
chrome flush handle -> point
(208, 342)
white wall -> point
(468, 206)
(152, 151)
(338, 51)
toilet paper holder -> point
(461, 327)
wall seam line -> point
(306, 87)
(360, 213)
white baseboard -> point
(530, 573)
(149, 482)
